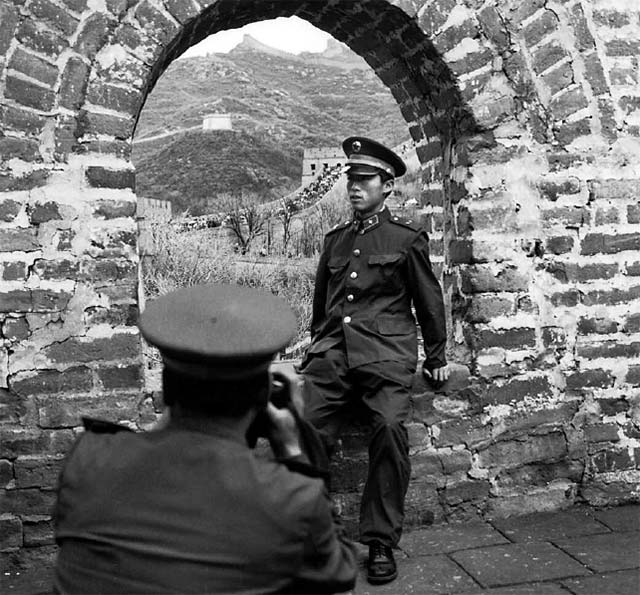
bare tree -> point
(285, 215)
(244, 217)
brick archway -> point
(526, 124)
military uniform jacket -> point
(369, 275)
(181, 511)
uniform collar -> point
(371, 222)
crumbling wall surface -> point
(525, 115)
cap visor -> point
(362, 170)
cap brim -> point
(362, 170)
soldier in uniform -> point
(372, 270)
(188, 507)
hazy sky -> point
(288, 34)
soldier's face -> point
(367, 193)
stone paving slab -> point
(528, 589)
(549, 526)
(449, 538)
(624, 582)
(426, 575)
(605, 553)
(621, 518)
(501, 565)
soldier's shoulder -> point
(340, 226)
(406, 222)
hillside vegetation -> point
(279, 104)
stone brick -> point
(14, 271)
(607, 216)
(61, 269)
(115, 315)
(547, 447)
(514, 338)
(633, 269)
(633, 213)
(465, 490)
(494, 27)
(474, 61)
(622, 47)
(114, 98)
(9, 210)
(76, 5)
(595, 74)
(37, 471)
(94, 34)
(633, 375)
(608, 349)
(41, 40)
(16, 442)
(601, 432)
(34, 179)
(6, 473)
(435, 15)
(118, 377)
(558, 78)
(29, 94)
(486, 307)
(559, 244)
(561, 161)
(182, 10)
(599, 326)
(119, 346)
(583, 36)
(632, 323)
(598, 243)
(114, 209)
(548, 55)
(103, 177)
(8, 22)
(574, 217)
(43, 212)
(516, 390)
(34, 67)
(611, 297)
(53, 15)
(450, 37)
(19, 239)
(536, 30)
(10, 531)
(553, 337)
(456, 460)
(611, 17)
(73, 83)
(623, 74)
(567, 103)
(15, 329)
(96, 124)
(27, 501)
(78, 379)
(589, 379)
(611, 189)
(552, 188)
(66, 411)
(470, 432)
(612, 460)
(44, 300)
(18, 148)
(589, 272)
(480, 278)
(38, 531)
(21, 120)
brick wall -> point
(526, 116)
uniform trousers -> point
(381, 390)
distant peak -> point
(249, 43)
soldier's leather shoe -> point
(381, 567)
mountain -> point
(279, 104)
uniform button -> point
(354, 275)
(361, 232)
(356, 252)
(350, 297)
(347, 319)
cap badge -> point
(356, 146)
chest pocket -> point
(386, 265)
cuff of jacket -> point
(300, 464)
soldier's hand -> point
(287, 374)
(438, 375)
(282, 432)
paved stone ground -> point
(582, 551)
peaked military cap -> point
(218, 331)
(368, 157)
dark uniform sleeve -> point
(329, 563)
(428, 302)
(319, 293)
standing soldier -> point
(373, 268)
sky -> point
(290, 34)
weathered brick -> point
(38, 531)
(118, 377)
(10, 532)
(34, 179)
(9, 210)
(44, 300)
(583, 36)
(536, 30)
(494, 27)
(34, 67)
(589, 379)
(516, 390)
(37, 471)
(633, 213)
(558, 78)
(567, 103)
(622, 47)
(450, 37)
(59, 269)
(6, 474)
(632, 323)
(633, 269)
(13, 408)
(607, 215)
(29, 94)
(16, 442)
(14, 271)
(465, 491)
(182, 10)
(547, 447)
(114, 209)
(66, 411)
(520, 12)
(480, 278)
(472, 61)
(8, 22)
(73, 83)
(18, 148)
(76, 5)
(19, 239)
(608, 349)
(623, 74)
(515, 338)
(595, 74)
(118, 99)
(115, 315)
(21, 120)
(53, 15)
(597, 326)
(548, 55)
(611, 17)
(155, 23)
(601, 432)
(611, 189)
(486, 307)
(554, 337)
(562, 161)
(103, 177)
(435, 15)
(559, 244)
(574, 217)
(612, 460)
(27, 501)
(633, 375)
(94, 34)
(78, 379)
(42, 40)
(15, 329)
(119, 346)
(610, 296)
(43, 212)
(552, 188)
(598, 243)
(96, 124)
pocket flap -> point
(383, 259)
(391, 325)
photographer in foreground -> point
(189, 507)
